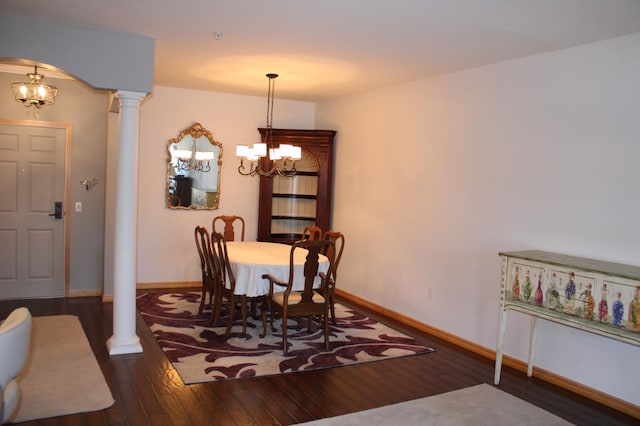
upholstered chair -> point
(15, 339)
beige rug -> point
(476, 406)
(62, 376)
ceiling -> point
(324, 49)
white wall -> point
(166, 247)
(435, 177)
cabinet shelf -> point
(301, 196)
(305, 173)
(288, 237)
(282, 217)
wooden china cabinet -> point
(288, 204)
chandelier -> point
(35, 92)
(193, 160)
(284, 157)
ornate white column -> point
(125, 339)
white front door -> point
(32, 182)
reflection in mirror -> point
(193, 170)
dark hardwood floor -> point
(148, 391)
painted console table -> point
(591, 295)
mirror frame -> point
(196, 131)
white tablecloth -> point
(251, 259)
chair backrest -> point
(15, 339)
(220, 252)
(229, 221)
(334, 251)
(311, 264)
(203, 244)
(312, 232)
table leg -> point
(532, 342)
(500, 347)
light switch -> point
(78, 206)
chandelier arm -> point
(252, 170)
(243, 173)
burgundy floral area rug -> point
(201, 353)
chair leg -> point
(326, 329)
(284, 333)
(232, 310)
(263, 312)
(202, 299)
(215, 310)
(254, 308)
(272, 315)
(243, 301)
(309, 321)
(333, 310)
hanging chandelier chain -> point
(279, 156)
(270, 96)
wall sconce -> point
(89, 183)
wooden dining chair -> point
(307, 303)
(227, 288)
(312, 233)
(229, 222)
(334, 251)
(203, 244)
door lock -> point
(57, 210)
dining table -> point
(250, 260)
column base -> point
(128, 346)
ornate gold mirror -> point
(193, 170)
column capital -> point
(130, 99)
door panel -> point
(9, 259)
(32, 179)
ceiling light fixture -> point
(284, 157)
(35, 92)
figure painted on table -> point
(618, 310)
(538, 297)
(515, 287)
(603, 306)
(569, 294)
(553, 297)
(633, 322)
(527, 288)
(588, 303)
